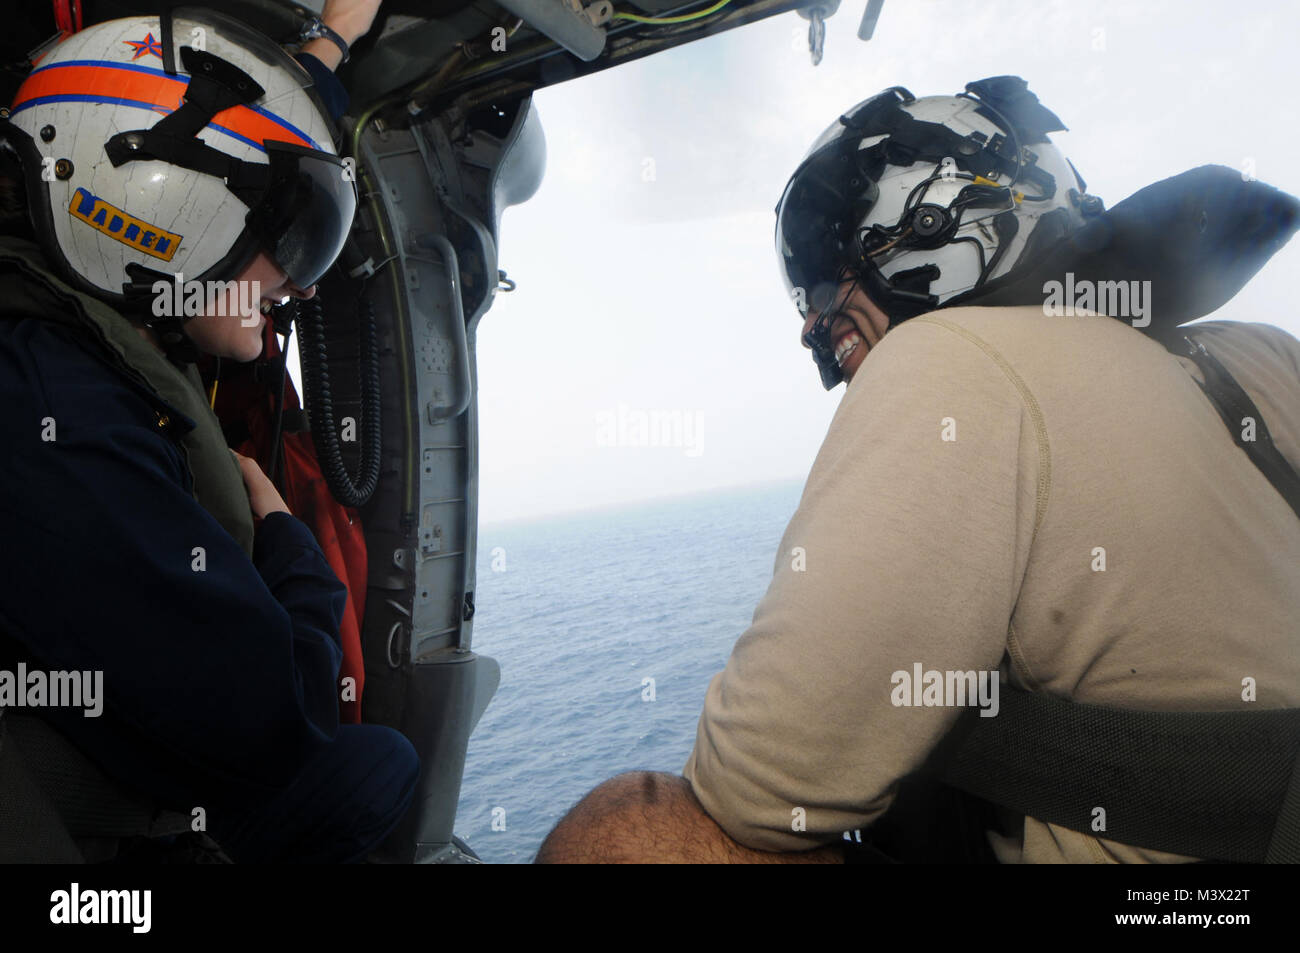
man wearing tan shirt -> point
(1048, 501)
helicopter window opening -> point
(611, 556)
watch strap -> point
(316, 29)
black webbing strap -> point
(214, 85)
(913, 140)
(167, 42)
(1214, 785)
(1235, 406)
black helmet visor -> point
(306, 212)
(815, 221)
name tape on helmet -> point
(121, 226)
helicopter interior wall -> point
(443, 192)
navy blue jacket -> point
(219, 684)
(333, 96)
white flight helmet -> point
(924, 201)
(180, 144)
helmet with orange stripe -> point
(184, 144)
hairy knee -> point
(625, 796)
(614, 816)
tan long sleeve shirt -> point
(1052, 496)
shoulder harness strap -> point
(1235, 406)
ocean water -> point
(580, 611)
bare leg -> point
(644, 817)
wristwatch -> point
(315, 29)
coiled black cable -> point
(310, 320)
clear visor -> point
(306, 214)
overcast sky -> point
(647, 277)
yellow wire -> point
(212, 396)
(681, 19)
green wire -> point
(681, 19)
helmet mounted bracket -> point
(215, 85)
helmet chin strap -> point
(169, 327)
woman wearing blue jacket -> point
(168, 161)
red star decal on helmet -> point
(145, 46)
